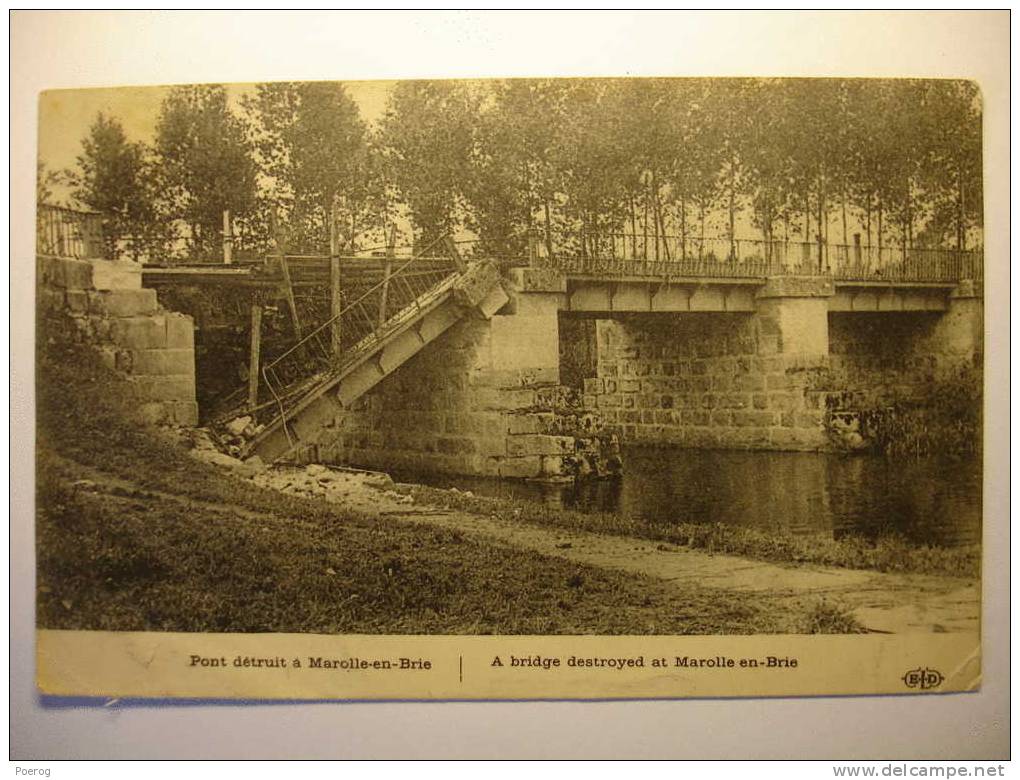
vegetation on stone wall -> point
(944, 420)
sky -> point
(65, 115)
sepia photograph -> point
(610, 389)
(559, 356)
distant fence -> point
(66, 232)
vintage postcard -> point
(510, 388)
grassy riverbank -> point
(135, 534)
(888, 554)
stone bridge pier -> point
(485, 399)
(745, 364)
(772, 371)
(742, 374)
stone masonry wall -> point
(875, 358)
(705, 380)
(723, 380)
(451, 408)
(484, 398)
(152, 347)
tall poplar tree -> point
(205, 163)
(315, 150)
(114, 177)
(427, 137)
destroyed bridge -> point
(445, 359)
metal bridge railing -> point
(64, 232)
(625, 254)
(897, 264)
(338, 341)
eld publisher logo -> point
(923, 679)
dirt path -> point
(894, 603)
(882, 602)
(885, 602)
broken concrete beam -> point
(476, 284)
(493, 302)
(538, 280)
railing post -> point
(451, 247)
(62, 237)
(228, 239)
(387, 270)
(288, 287)
(335, 298)
(254, 357)
(93, 230)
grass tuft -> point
(828, 618)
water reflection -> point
(927, 502)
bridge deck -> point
(587, 294)
(595, 287)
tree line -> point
(558, 163)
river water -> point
(928, 502)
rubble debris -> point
(237, 426)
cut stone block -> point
(77, 301)
(506, 399)
(166, 388)
(185, 413)
(155, 413)
(538, 444)
(50, 300)
(64, 273)
(108, 356)
(521, 468)
(140, 332)
(123, 303)
(554, 466)
(116, 275)
(529, 423)
(180, 331)
(163, 362)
